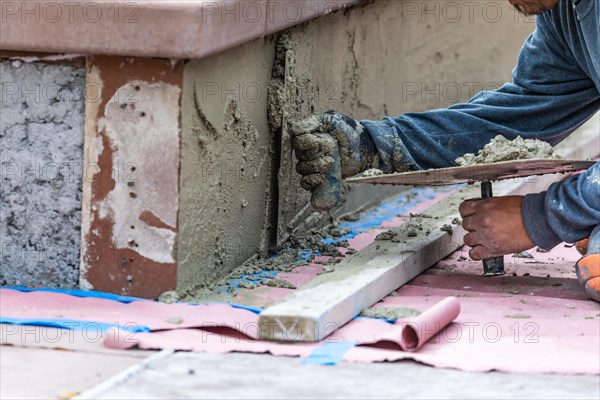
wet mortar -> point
(501, 149)
(390, 313)
(298, 251)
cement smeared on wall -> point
(226, 166)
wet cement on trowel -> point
(501, 149)
(373, 172)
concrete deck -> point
(179, 29)
(33, 372)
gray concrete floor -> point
(49, 363)
(45, 363)
(248, 376)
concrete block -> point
(41, 142)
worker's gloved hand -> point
(495, 227)
(588, 273)
(314, 150)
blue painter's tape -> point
(389, 321)
(329, 353)
(255, 310)
(388, 210)
(73, 324)
(114, 297)
(80, 293)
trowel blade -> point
(477, 173)
(290, 213)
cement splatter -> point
(388, 235)
(169, 297)
(447, 228)
(353, 217)
(175, 320)
(518, 316)
(298, 251)
(418, 224)
(390, 313)
(501, 149)
(280, 283)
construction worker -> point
(555, 89)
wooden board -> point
(321, 307)
(477, 173)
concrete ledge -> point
(169, 29)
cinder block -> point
(41, 146)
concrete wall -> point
(41, 139)
(239, 192)
(385, 58)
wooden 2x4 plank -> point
(331, 300)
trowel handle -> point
(328, 195)
(491, 266)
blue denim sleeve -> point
(568, 212)
(550, 96)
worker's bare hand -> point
(495, 227)
(314, 151)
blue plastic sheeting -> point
(386, 211)
(73, 324)
(80, 293)
(329, 353)
(113, 297)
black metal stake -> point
(491, 266)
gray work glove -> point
(314, 148)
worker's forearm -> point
(550, 96)
(436, 138)
(567, 212)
